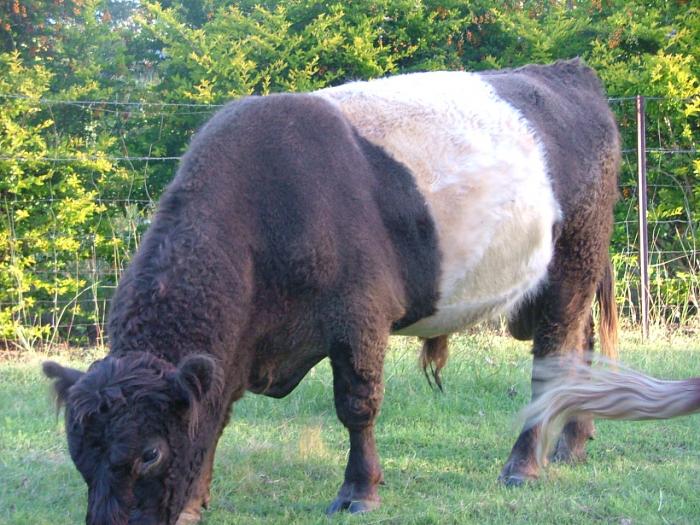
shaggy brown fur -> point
(287, 238)
(256, 260)
(566, 104)
(434, 356)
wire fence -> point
(73, 211)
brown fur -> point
(287, 238)
(608, 314)
(433, 356)
(566, 105)
(257, 261)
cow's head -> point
(132, 432)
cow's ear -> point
(196, 376)
(64, 378)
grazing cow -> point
(306, 226)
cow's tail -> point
(608, 313)
(605, 390)
(433, 356)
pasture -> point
(281, 461)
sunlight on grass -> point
(282, 461)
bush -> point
(69, 226)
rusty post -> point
(643, 233)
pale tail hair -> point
(605, 391)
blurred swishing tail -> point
(603, 391)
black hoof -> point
(353, 507)
(514, 480)
(566, 456)
(571, 445)
(516, 474)
(365, 505)
(336, 506)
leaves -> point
(68, 227)
(52, 221)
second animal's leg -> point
(358, 392)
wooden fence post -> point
(642, 196)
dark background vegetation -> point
(98, 99)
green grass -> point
(282, 461)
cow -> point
(308, 226)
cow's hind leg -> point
(554, 334)
(571, 447)
(358, 392)
(563, 326)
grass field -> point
(282, 461)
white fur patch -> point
(483, 174)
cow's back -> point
(481, 169)
(280, 226)
(565, 104)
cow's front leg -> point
(192, 512)
(358, 395)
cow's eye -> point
(150, 456)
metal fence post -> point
(642, 196)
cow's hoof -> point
(353, 507)
(563, 453)
(571, 445)
(514, 480)
(515, 474)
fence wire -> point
(58, 273)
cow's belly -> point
(482, 171)
(505, 261)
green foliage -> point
(240, 53)
(651, 51)
(55, 235)
(69, 227)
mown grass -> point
(282, 461)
